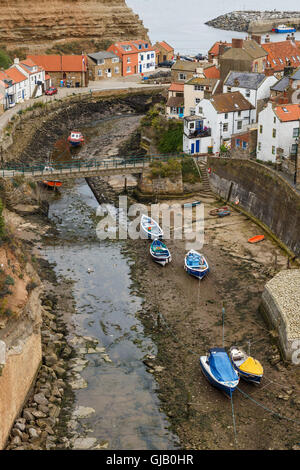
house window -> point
(247, 93)
(192, 111)
(197, 100)
(128, 60)
(146, 46)
(192, 125)
(115, 59)
(274, 133)
(116, 69)
(101, 61)
(99, 73)
(225, 127)
(274, 120)
(237, 142)
(239, 113)
(260, 129)
(259, 145)
(294, 149)
(198, 87)
(229, 89)
(244, 145)
(273, 150)
(128, 69)
(200, 110)
(239, 124)
(296, 132)
(152, 55)
(173, 110)
(182, 76)
(226, 116)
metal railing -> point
(82, 165)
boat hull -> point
(74, 144)
(285, 30)
(227, 390)
(162, 260)
(196, 273)
(252, 378)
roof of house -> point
(132, 47)
(279, 53)
(214, 50)
(185, 65)
(288, 112)
(281, 85)
(176, 87)
(175, 101)
(102, 55)
(250, 50)
(296, 75)
(15, 74)
(202, 81)
(6, 79)
(59, 63)
(229, 102)
(249, 80)
(212, 72)
(166, 46)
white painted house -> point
(278, 132)
(194, 90)
(35, 75)
(20, 82)
(253, 86)
(8, 90)
(146, 62)
(215, 121)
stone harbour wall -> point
(262, 193)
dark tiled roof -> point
(281, 85)
(296, 75)
(175, 101)
(102, 55)
(229, 102)
(248, 80)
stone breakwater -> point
(254, 21)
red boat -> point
(257, 238)
(75, 139)
(53, 183)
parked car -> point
(200, 57)
(48, 168)
(166, 63)
(51, 91)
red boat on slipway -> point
(75, 139)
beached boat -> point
(75, 139)
(150, 229)
(256, 239)
(52, 183)
(192, 204)
(160, 253)
(247, 367)
(220, 211)
(282, 28)
(195, 264)
(219, 371)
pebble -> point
(83, 412)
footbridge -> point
(83, 168)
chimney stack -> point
(16, 60)
(256, 38)
(267, 38)
(237, 43)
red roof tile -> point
(60, 63)
(212, 72)
(279, 52)
(133, 45)
(288, 112)
(214, 50)
(166, 46)
(176, 87)
(15, 75)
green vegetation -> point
(166, 169)
(5, 60)
(167, 134)
(2, 225)
(190, 173)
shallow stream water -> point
(127, 410)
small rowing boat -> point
(195, 264)
(52, 184)
(192, 204)
(247, 367)
(150, 228)
(160, 253)
(256, 239)
(220, 212)
(75, 139)
(219, 371)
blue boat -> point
(150, 228)
(218, 370)
(160, 253)
(282, 28)
(195, 264)
(192, 204)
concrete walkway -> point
(122, 83)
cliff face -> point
(39, 24)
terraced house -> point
(137, 57)
(104, 64)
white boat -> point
(283, 28)
(218, 370)
(160, 253)
(150, 229)
(247, 367)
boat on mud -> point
(195, 264)
(246, 366)
(220, 212)
(219, 371)
(75, 139)
(256, 239)
(150, 228)
(160, 253)
(192, 204)
(52, 183)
